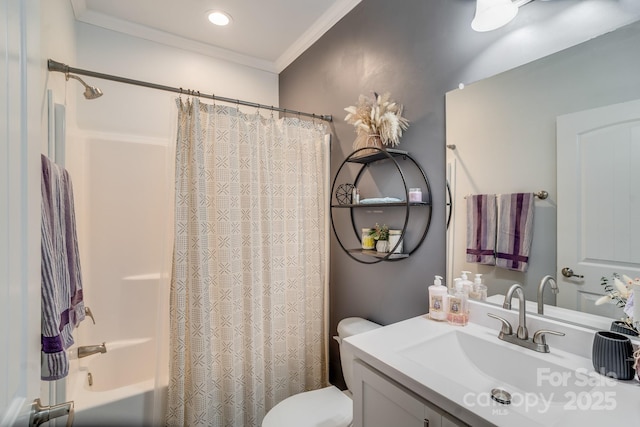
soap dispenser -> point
(458, 306)
(438, 300)
(479, 289)
(467, 285)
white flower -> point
(622, 292)
(628, 308)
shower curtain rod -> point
(64, 68)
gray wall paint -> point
(418, 50)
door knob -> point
(567, 272)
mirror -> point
(501, 138)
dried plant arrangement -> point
(378, 117)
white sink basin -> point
(483, 363)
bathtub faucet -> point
(88, 350)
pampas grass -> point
(378, 116)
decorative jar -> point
(368, 242)
(415, 195)
(394, 237)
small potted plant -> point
(380, 233)
(621, 292)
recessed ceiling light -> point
(219, 18)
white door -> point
(598, 168)
(20, 90)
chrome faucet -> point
(521, 338)
(554, 288)
(88, 350)
(522, 333)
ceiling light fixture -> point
(493, 14)
(217, 17)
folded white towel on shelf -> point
(373, 200)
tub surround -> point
(561, 387)
(115, 388)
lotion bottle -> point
(438, 300)
(467, 285)
(458, 307)
(479, 290)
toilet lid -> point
(324, 407)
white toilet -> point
(326, 407)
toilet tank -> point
(346, 328)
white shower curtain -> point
(250, 264)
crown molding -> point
(328, 19)
(321, 26)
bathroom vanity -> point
(419, 372)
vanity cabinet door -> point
(379, 402)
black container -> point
(621, 327)
(612, 355)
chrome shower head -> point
(90, 92)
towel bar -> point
(542, 194)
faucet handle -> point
(539, 336)
(506, 326)
(88, 313)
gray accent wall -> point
(417, 50)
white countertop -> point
(593, 399)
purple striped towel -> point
(62, 305)
(515, 230)
(481, 228)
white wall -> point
(19, 208)
(135, 110)
(58, 37)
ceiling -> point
(268, 35)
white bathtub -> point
(122, 390)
